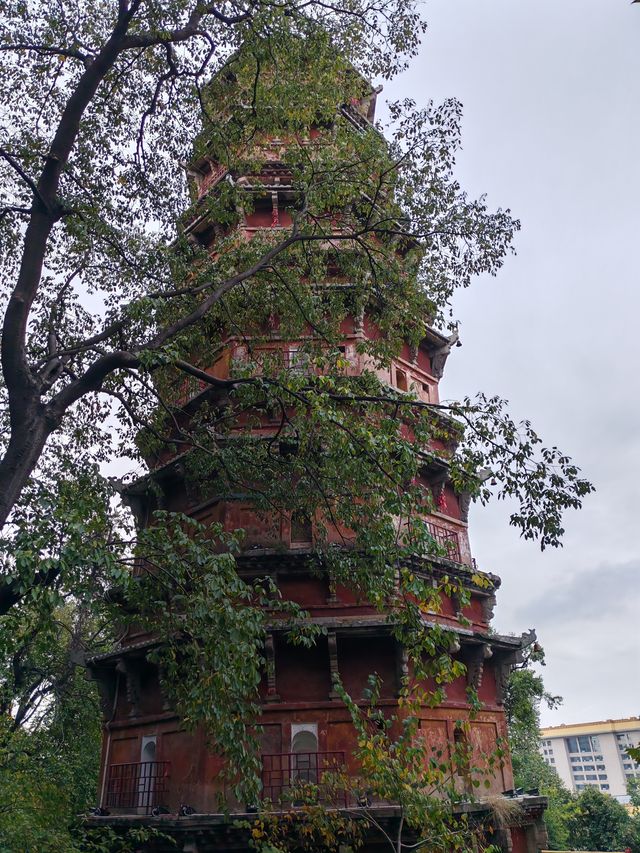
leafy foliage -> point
(48, 774)
(191, 596)
(597, 821)
(111, 281)
(524, 695)
(590, 820)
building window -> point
(579, 778)
(602, 776)
(301, 529)
(553, 761)
(298, 360)
(604, 787)
(147, 777)
(401, 380)
(584, 743)
(304, 746)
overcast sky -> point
(551, 95)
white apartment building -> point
(593, 754)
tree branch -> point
(48, 50)
(15, 165)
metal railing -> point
(290, 776)
(140, 786)
(447, 540)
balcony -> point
(446, 539)
(211, 178)
(137, 787)
(286, 775)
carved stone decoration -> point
(502, 671)
(275, 214)
(440, 356)
(464, 502)
(132, 684)
(456, 602)
(437, 487)
(402, 665)
(270, 655)
(332, 644)
(475, 667)
(106, 680)
(332, 597)
(488, 606)
(137, 502)
(527, 638)
(166, 704)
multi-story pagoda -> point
(155, 771)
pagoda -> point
(157, 772)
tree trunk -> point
(18, 463)
(16, 467)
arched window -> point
(147, 777)
(304, 761)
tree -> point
(597, 821)
(633, 789)
(98, 282)
(590, 820)
(398, 766)
(524, 696)
(47, 773)
(79, 178)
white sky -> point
(551, 95)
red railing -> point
(446, 539)
(140, 786)
(285, 775)
(212, 178)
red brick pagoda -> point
(154, 771)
